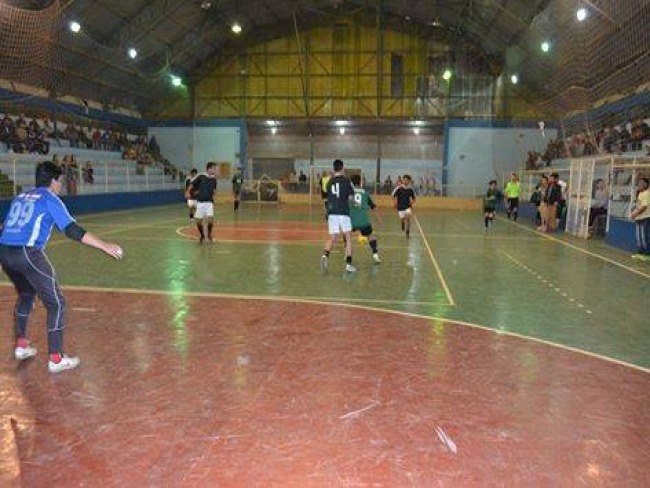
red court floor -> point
(179, 390)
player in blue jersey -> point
(27, 228)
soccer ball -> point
(362, 240)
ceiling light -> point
(206, 5)
(341, 123)
(581, 14)
(436, 23)
(133, 53)
(514, 79)
(546, 46)
(176, 80)
(74, 26)
(271, 123)
(236, 28)
(446, 75)
(418, 122)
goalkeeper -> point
(359, 214)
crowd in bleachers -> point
(610, 139)
(22, 135)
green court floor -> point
(581, 294)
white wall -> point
(190, 147)
(478, 154)
(406, 154)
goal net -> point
(260, 190)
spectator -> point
(600, 202)
(89, 173)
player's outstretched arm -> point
(77, 233)
(111, 249)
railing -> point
(107, 176)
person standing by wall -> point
(641, 217)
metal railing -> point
(88, 176)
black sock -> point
(515, 215)
(199, 225)
(487, 221)
(348, 259)
(210, 230)
(373, 246)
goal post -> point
(261, 190)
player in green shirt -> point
(359, 214)
(512, 191)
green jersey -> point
(513, 189)
(492, 198)
(359, 209)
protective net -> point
(592, 78)
(30, 43)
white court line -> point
(441, 278)
(589, 253)
(323, 301)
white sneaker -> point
(66, 362)
(21, 353)
(324, 263)
(350, 269)
(376, 258)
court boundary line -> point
(577, 248)
(281, 298)
(441, 278)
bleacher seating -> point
(110, 174)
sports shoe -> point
(376, 258)
(324, 263)
(350, 269)
(66, 363)
(641, 257)
(21, 353)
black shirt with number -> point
(339, 191)
(203, 188)
(404, 196)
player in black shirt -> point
(339, 193)
(492, 197)
(204, 190)
(403, 199)
(191, 203)
(237, 182)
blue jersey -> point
(31, 217)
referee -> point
(26, 230)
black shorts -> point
(365, 231)
(513, 202)
(489, 209)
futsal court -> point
(466, 358)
